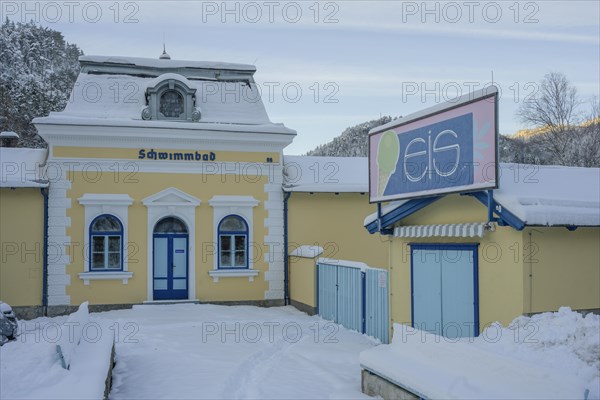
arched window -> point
(170, 225)
(233, 242)
(106, 243)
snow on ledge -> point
(557, 361)
(345, 263)
(307, 251)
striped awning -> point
(445, 230)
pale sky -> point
(352, 60)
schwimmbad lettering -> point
(176, 155)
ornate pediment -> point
(171, 197)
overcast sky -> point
(352, 60)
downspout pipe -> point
(45, 255)
(286, 260)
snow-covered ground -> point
(206, 351)
(183, 351)
(548, 356)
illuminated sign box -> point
(448, 148)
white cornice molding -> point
(102, 199)
(167, 138)
(233, 201)
(51, 127)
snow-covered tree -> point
(37, 72)
(353, 142)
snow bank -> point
(72, 331)
(547, 356)
(30, 367)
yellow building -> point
(453, 272)
(165, 184)
(165, 180)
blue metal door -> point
(327, 291)
(376, 304)
(350, 298)
(170, 266)
(444, 281)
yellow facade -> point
(564, 268)
(141, 185)
(22, 238)
(335, 223)
(565, 264)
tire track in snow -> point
(247, 377)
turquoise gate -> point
(354, 296)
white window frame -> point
(242, 206)
(96, 204)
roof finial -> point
(164, 55)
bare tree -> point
(589, 142)
(554, 109)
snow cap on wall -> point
(22, 167)
(326, 174)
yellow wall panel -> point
(335, 222)
(565, 268)
(21, 240)
(303, 280)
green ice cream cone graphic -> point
(387, 157)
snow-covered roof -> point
(326, 174)
(550, 195)
(543, 195)
(9, 135)
(112, 91)
(22, 167)
(164, 63)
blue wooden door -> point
(445, 289)
(427, 290)
(458, 294)
(170, 269)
